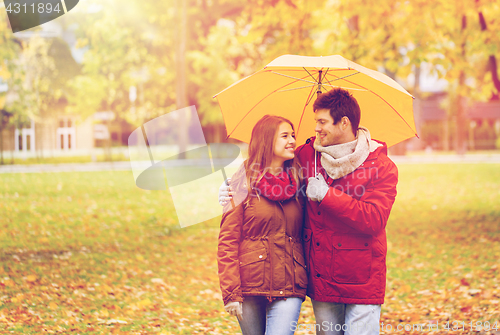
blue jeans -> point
(340, 319)
(262, 317)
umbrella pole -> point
(318, 92)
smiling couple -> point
(308, 220)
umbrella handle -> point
(315, 164)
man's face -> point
(329, 133)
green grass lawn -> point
(7, 159)
(91, 253)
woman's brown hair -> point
(260, 154)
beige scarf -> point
(342, 159)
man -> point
(351, 187)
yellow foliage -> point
(144, 303)
(31, 278)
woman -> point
(260, 256)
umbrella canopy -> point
(288, 85)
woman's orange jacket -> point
(260, 249)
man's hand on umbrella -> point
(316, 188)
(225, 193)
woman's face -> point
(284, 145)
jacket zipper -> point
(271, 264)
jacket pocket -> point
(299, 266)
(252, 268)
(352, 259)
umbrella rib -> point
(324, 76)
(352, 74)
(377, 96)
(297, 79)
(311, 95)
(349, 81)
(347, 88)
(309, 74)
(327, 69)
(315, 83)
(284, 75)
(394, 109)
(297, 88)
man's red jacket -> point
(344, 235)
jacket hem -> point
(266, 294)
(344, 300)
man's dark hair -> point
(340, 103)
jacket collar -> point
(380, 150)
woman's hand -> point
(225, 193)
(235, 308)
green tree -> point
(15, 101)
(117, 58)
(240, 39)
(469, 49)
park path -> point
(66, 167)
(125, 165)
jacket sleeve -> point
(227, 253)
(369, 214)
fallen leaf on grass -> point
(473, 291)
(144, 303)
(31, 278)
(112, 321)
(158, 281)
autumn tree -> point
(490, 41)
(9, 49)
(239, 39)
(136, 47)
(15, 103)
(468, 63)
(117, 58)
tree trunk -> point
(37, 143)
(12, 152)
(107, 148)
(460, 138)
(40, 139)
(492, 61)
(1, 144)
(217, 133)
(52, 131)
(417, 103)
(181, 97)
(472, 125)
(446, 133)
(353, 25)
(399, 148)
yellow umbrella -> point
(288, 85)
